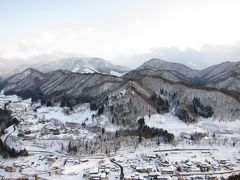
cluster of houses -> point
(146, 176)
(214, 165)
(10, 169)
(101, 172)
(158, 166)
(155, 167)
(15, 167)
(224, 164)
(194, 167)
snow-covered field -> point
(221, 129)
(171, 124)
(48, 131)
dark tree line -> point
(162, 105)
(234, 177)
(72, 148)
(184, 116)
(201, 110)
(93, 106)
(65, 103)
(197, 136)
(35, 97)
(100, 110)
(147, 133)
(6, 120)
(144, 131)
(7, 152)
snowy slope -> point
(158, 64)
(221, 76)
(80, 65)
(102, 89)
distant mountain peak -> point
(29, 71)
(72, 64)
(160, 64)
(80, 65)
(155, 61)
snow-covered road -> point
(5, 137)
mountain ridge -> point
(126, 99)
(219, 76)
(74, 64)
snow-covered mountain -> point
(225, 76)
(27, 80)
(155, 87)
(179, 69)
(80, 65)
(222, 76)
(156, 67)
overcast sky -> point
(197, 33)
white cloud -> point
(139, 23)
(138, 32)
(206, 56)
(46, 37)
(68, 39)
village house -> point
(10, 169)
(167, 170)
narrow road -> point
(7, 136)
(122, 174)
(175, 150)
(208, 173)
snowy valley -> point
(47, 134)
(150, 123)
